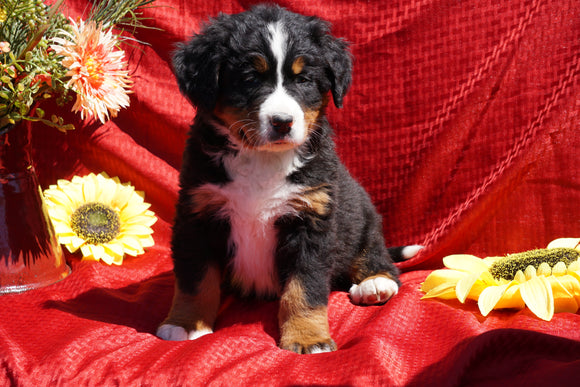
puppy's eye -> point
(302, 78)
(251, 79)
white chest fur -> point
(256, 197)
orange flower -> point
(42, 78)
(97, 71)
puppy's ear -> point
(339, 66)
(197, 64)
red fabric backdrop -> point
(461, 122)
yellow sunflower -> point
(547, 281)
(101, 216)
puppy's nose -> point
(282, 123)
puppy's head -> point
(264, 75)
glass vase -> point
(30, 256)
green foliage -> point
(30, 71)
(119, 13)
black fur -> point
(323, 250)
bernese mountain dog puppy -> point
(265, 205)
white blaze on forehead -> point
(279, 101)
(278, 43)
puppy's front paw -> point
(176, 333)
(372, 291)
(327, 345)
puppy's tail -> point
(402, 253)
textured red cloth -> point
(461, 122)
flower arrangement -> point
(102, 217)
(45, 55)
(547, 281)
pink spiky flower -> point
(97, 70)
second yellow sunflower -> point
(547, 281)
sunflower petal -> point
(559, 269)
(464, 286)
(439, 277)
(89, 191)
(108, 189)
(99, 253)
(537, 294)
(520, 277)
(572, 283)
(574, 266)
(132, 246)
(147, 241)
(490, 296)
(511, 299)
(544, 269)
(466, 263)
(491, 260)
(570, 243)
(562, 288)
(117, 260)
(143, 219)
(124, 194)
(77, 242)
(136, 229)
(444, 291)
(87, 253)
(60, 214)
(530, 272)
(59, 197)
(488, 279)
(115, 248)
(61, 228)
(133, 209)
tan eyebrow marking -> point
(260, 64)
(298, 65)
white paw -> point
(410, 251)
(197, 334)
(372, 291)
(177, 333)
(319, 349)
(171, 332)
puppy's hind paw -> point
(176, 333)
(373, 291)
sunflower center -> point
(96, 223)
(507, 267)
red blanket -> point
(462, 123)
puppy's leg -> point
(304, 266)
(303, 326)
(199, 244)
(375, 279)
(192, 315)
